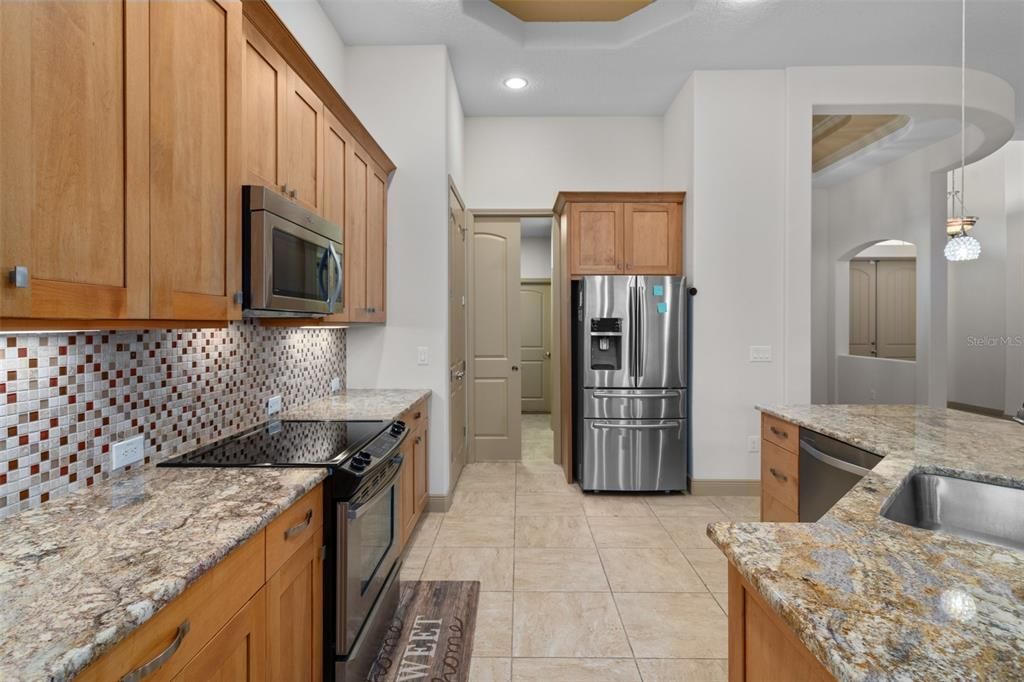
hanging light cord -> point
(963, 111)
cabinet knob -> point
(19, 277)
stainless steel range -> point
(362, 557)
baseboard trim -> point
(725, 487)
(977, 409)
(439, 504)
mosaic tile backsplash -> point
(66, 398)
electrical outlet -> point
(421, 355)
(760, 353)
(753, 443)
(335, 385)
(274, 405)
(128, 451)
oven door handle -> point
(355, 511)
(831, 461)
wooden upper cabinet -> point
(596, 238)
(74, 159)
(304, 144)
(623, 233)
(195, 161)
(264, 85)
(337, 149)
(365, 238)
(653, 239)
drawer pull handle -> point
(417, 415)
(153, 665)
(296, 529)
(776, 474)
(778, 432)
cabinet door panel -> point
(238, 653)
(596, 231)
(357, 180)
(407, 492)
(337, 149)
(195, 86)
(264, 85)
(295, 615)
(376, 245)
(73, 117)
(653, 239)
(420, 471)
(304, 132)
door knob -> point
(515, 368)
(547, 354)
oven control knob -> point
(357, 465)
(364, 457)
(397, 429)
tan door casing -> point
(494, 329)
(535, 347)
(457, 294)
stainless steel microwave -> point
(292, 259)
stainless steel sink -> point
(971, 509)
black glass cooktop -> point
(283, 444)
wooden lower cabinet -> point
(761, 645)
(238, 653)
(780, 470)
(236, 623)
(295, 615)
(413, 485)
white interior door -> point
(897, 309)
(496, 376)
(457, 298)
(535, 347)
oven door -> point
(367, 551)
(292, 269)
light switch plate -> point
(274, 405)
(335, 385)
(421, 355)
(128, 451)
(753, 443)
(760, 353)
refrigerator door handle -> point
(631, 311)
(640, 322)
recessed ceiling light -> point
(515, 83)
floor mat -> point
(431, 636)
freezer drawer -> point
(634, 455)
(647, 403)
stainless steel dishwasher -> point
(828, 470)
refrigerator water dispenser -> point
(606, 343)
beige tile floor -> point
(581, 587)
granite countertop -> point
(359, 403)
(874, 599)
(81, 572)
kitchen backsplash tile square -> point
(66, 398)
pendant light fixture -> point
(962, 246)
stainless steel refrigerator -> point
(630, 375)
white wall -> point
(677, 161)
(523, 162)
(735, 256)
(977, 294)
(535, 257)
(401, 95)
(865, 380)
(1014, 156)
(309, 24)
(455, 129)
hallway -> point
(581, 587)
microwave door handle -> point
(336, 294)
(321, 272)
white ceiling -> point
(637, 65)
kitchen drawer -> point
(773, 510)
(293, 527)
(782, 433)
(780, 474)
(184, 626)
